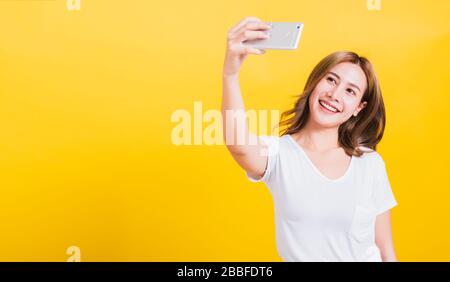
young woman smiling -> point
(331, 192)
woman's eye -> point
(331, 79)
(351, 91)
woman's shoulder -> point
(275, 143)
(273, 138)
(366, 149)
(371, 155)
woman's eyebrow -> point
(351, 84)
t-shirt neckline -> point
(316, 169)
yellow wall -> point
(86, 99)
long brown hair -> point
(364, 130)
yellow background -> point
(85, 104)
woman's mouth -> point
(327, 108)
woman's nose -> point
(332, 93)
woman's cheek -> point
(349, 109)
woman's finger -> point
(250, 26)
(257, 26)
(250, 50)
(249, 35)
(255, 51)
(242, 23)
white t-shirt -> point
(323, 219)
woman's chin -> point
(326, 121)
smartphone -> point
(283, 36)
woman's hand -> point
(247, 29)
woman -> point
(331, 192)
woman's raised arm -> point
(245, 148)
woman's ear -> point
(360, 107)
(363, 105)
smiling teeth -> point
(328, 107)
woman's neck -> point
(318, 139)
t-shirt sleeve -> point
(272, 142)
(383, 197)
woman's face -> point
(341, 88)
